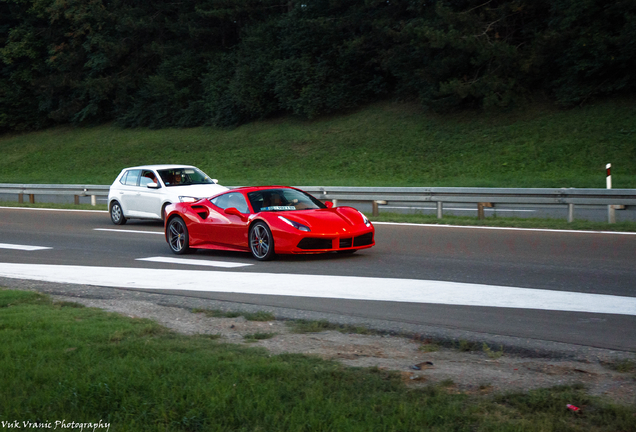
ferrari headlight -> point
(364, 219)
(188, 199)
(296, 225)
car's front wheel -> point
(261, 242)
(178, 236)
(117, 214)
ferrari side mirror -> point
(234, 212)
(329, 204)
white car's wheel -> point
(117, 214)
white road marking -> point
(337, 287)
(129, 231)
(503, 228)
(23, 247)
(198, 262)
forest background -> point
(224, 63)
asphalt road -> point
(571, 262)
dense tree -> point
(225, 62)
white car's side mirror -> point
(215, 181)
(152, 186)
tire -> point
(178, 238)
(117, 214)
(261, 242)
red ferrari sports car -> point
(265, 221)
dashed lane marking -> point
(129, 231)
(196, 262)
(23, 247)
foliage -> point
(224, 63)
(592, 49)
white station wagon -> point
(143, 192)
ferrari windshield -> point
(184, 176)
(282, 200)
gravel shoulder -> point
(511, 365)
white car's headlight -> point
(364, 219)
(188, 199)
(296, 225)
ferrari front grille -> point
(345, 243)
(314, 243)
(363, 240)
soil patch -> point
(419, 362)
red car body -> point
(215, 223)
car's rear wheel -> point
(261, 242)
(117, 214)
(178, 236)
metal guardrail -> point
(483, 197)
(54, 189)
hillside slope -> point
(386, 144)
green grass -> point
(59, 362)
(311, 326)
(386, 144)
(250, 316)
(253, 337)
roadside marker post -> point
(611, 212)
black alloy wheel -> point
(178, 236)
(261, 242)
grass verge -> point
(311, 326)
(85, 365)
(250, 316)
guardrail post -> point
(611, 214)
(334, 202)
(375, 210)
(440, 206)
(93, 200)
(76, 200)
(32, 198)
(20, 198)
(570, 213)
(480, 209)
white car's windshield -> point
(184, 177)
(282, 200)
